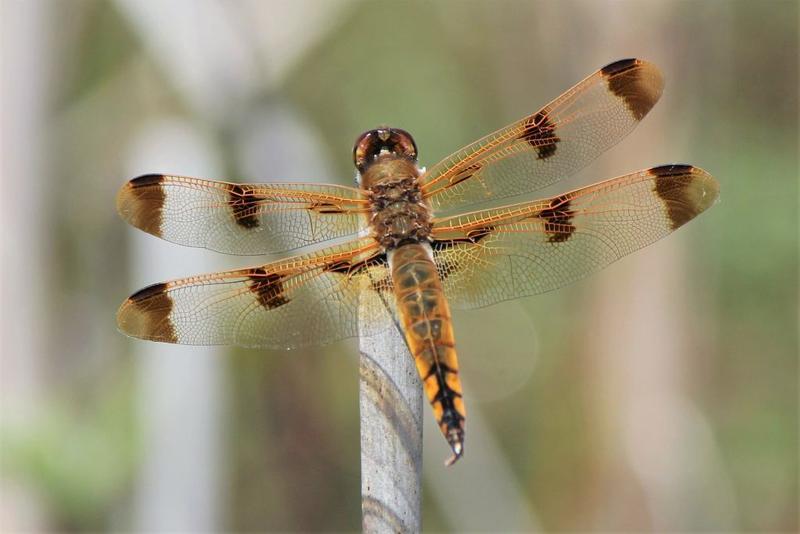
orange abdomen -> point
(427, 325)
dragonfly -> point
(413, 243)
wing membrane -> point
(241, 218)
(550, 144)
(305, 300)
(498, 254)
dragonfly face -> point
(407, 258)
(383, 141)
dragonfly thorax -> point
(398, 213)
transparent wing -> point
(241, 218)
(550, 144)
(306, 300)
(498, 254)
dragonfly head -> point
(382, 141)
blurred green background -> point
(659, 395)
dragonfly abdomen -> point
(427, 325)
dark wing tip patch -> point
(146, 314)
(619, 66)
(639, 83)
(672, 170)
(245, 206)
(140, 202)
(539, 132)
(148, 292)
(685, 190)
(146, 179)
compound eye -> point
(365, 149)
(403, 144)
(370, 144)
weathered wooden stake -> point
(390, 399)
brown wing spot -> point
(460, 178)
(478, 234)
(637, 82)
(325, 207)
(473, 236)
(141, 201)
(268, 288)
(340, 267)
(465, 174)
(539, 132)
(672, 186)
(558, 219)
(349, 268)
(148, 316)
(245, 206)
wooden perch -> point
(390, 399)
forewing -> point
(241, 218)
(550, 144)
(306, 300)
(494, 255)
